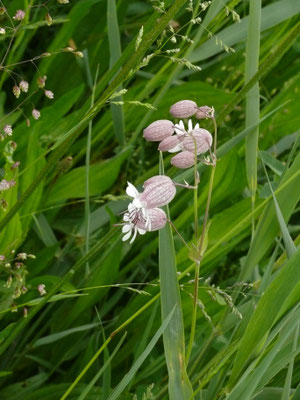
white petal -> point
(196, 126)
(175, 149)
(141, 231)
(131, 190)
(137, 203)
(126, 237)
(126, 228)
(134, 235)
(190, 125)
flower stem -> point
(201, 242)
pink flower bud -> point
(159, 130)
(203, 141)
(183, 109)
(35, 113)
(8, 130)
(41, 288)
(159, 191)
(168, 143)
(204, 112)
(19, 15)
(157, 218)
(23, 85)
(185, 159)
(16, 91)
(49, 94)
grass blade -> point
(174, 343)
(115, 54)
(252, 97)
(129, 376)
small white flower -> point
(2, 31)
(23, 85)
(8, 130)
(36, 114)
(19, 15)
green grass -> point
(116, 319)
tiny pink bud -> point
(8, 130)
(159, 130)
(23, 85)
(36, 114)
(19, 15)
(159, 191)
(185, 159)
(157, 218)
(16, 91)
(49, 94)
(41, 289)
(15, 165)
(168, 143)
(183, 109)
(204, 112)
(203, 141)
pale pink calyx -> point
(205, 112)
(172, 144)
(182, 160)
(183, 109)
(201, 137)
(158, 130)
(159, 191)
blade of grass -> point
(252, 97)
(100, 372)
(115, 53)
(179, 385)
(130, 375)
(288, 241)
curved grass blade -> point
(129, 376)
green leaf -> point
(102, 176)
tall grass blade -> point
(115, 53)
(174, 343)
(129, 376)
(252, 97)
(288, 241)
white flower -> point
(131, 218)
(2, 31)
(49, 94)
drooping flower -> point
(191, 135)
(184, 159)
(158, 130)
(183, 109)
(134, 222)
(205, 112)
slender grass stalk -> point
(87, 216)
(252, 97)
(199, 247)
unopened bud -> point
(41, 289)
(35, 113)
(8, 130)
(2, 31)
(79, 54)
(168, 143)
(63, 1)
(2, 10)
(16, 91)
(183, 109)
(19, 15)
(49, 94)
(46, 54)
(159, 130)
(69, 49)
(48, 19)
(15, 165)
(204, 112)
(23, 85)
(185, 159)
(203, 141)
(41, 81)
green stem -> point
(200, 246)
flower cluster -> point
(143, 213)
(176, 138)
